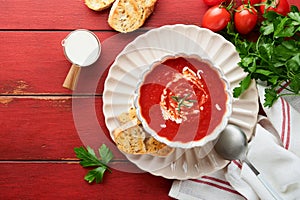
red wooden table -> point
(37, 129)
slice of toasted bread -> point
(125, 117)
(131, 140)
(98, 5)
(129, 15)
(149, 7)
(130, 137)
(125, 126)
(157, 148)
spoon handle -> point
(266, 184)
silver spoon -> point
(232, 145)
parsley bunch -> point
(274, 57)
(88, 158)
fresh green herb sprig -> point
(274, 57)
(183, 101)
(88, 158)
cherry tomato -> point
(280, 6)
(252, 2)
(216, 18)
(245, 19)
(213, 2)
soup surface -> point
(182, 99)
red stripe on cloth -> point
(287, 145)
(217, 186)
(216, 179)
(283, 87)
(237, 163)
(286, 124)
(283, 120)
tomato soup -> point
(182, 99)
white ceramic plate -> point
(124, 75)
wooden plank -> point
(73, 14)
(28, 14)
(34, 129)
(34, 62)
(48, 128)
(65, 181)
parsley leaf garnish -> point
(88, 158)
(274, 58)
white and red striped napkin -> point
(274, 151)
